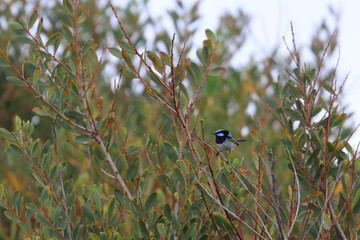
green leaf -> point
(32, 19)
(254, 135)
(142, 228)
(323, 103)
(156, 61)
(45, 195)
(46, 147)
(122, 199)
(67, 33)
(236, 162)
(129, 74)
(115, 52)
(53, 38)
(93, 236)
(133, 169)
(32, 208)
(12, 217)
(328, 87)
(123, 132)
(16, 81)
(165, 58)
(316, 110)
(18, 123)
(15, 149)
(68, 6)
(155, 78)
(222, 178)
(97, 199)
(38, 179)
(3, 63)
(127, 58)
(170, 151)
(315, 138)
(184, 95)
(161, 229)
(41, 219)
(25, 227)
(82, 139)
(88, 212)
(150, 202)
(15, 199)
(210, 35)
(126, 46)
(179, 176)
(287, 142)
(223, 222)
(16, 26)
(337, 119)
(2, 191)
(36, 77)
(206, 51)
(86, 47)
(38, 30)
(190, 231)
(345, 133)
(132, 150)
(41, 112)
(83, 16)
(58, 216)
(295, 115)
(271, 102)
(180, 75)
(6, 134)
(356, 206)
(217, 71)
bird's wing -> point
(233, 140)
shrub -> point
(131, 157)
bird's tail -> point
(241, 140)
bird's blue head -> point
(221, 135)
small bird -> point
(225, 141)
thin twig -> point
(261, 223)
(298, 196)
(238, 175)
(226, 209)
(275, 194)
(67, 219)
(113, 166)
(328, 198)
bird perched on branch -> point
(225, 141)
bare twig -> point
(67, 219)
(113, 166)
(338, 228)
(298, 196)
(226, 209)
(275, 194)
(239, 176)
(261, 223)
(328, 198)
(39, 95)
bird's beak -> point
(213, 133)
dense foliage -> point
(106, 130)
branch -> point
(67, 219)
(31, 87)
(113, 166)
(226, 209)
(274, 193)
(298, 195)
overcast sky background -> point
(270, 22)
